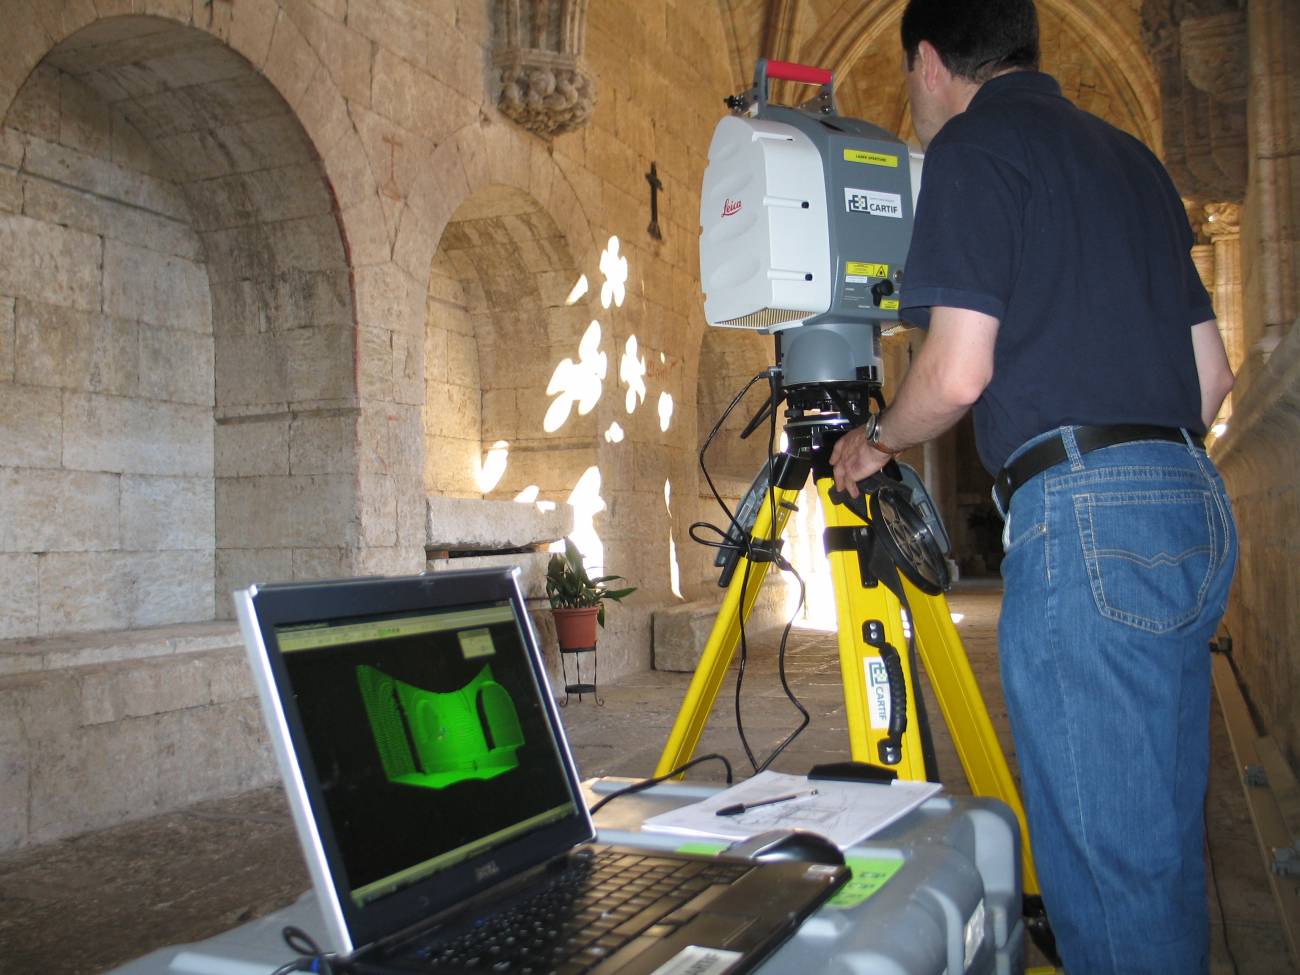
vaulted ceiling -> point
(1094, 47)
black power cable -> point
(746, 547)
(644, 784)
(312, 958)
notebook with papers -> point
(439, 807)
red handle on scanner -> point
(789, 71)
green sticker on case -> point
(869, 875)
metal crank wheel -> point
(909, 540)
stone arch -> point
(512, 240)
(201, 368)
(1122, 59)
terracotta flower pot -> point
(576, 628)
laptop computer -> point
(439, 806)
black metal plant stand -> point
(578, 685)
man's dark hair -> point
(976, 39)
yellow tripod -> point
(873, 649)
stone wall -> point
(1258, 454)
(106, 375)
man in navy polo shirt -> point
(1050, 264)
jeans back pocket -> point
(1150, 555)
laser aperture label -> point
(860, 271)
(873, 203)
(871, 158)
(889, 304)
(878, 706)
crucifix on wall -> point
(652, 178)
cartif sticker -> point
(873, 203)
(694, 960)
(878, 705)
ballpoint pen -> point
(737, 808)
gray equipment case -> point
(953, 906)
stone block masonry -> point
(106, 379)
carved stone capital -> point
(545, 87)
(546, 92)
(1222, 221)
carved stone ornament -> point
(545, 87)
(1222, 221)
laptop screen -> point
(428, 736)
(423, 754)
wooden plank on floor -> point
(1265, 811)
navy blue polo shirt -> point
(1072, 235)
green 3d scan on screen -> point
(433, 739)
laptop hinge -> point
(489, 897)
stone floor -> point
(87, 904)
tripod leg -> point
(946, 665)
(725, 635)
(964, 711)
(869, 617)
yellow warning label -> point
(864, 270)
(889, 304)
(870, 158)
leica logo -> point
(487, 871)
(730, 206)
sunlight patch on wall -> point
(615, 433)
(493, 466)
(529, 496)
(587, 503)
(665, 411)
(674, 570)
(577, 383)
(614, 269)
(631, 371)
(579, 289)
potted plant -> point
(577, 599)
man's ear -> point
(933, 70)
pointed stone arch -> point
(1122, 59)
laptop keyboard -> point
(583, 915)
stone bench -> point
(468, 533)
(680, 632)
(100, 728)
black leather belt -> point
(1051, 452)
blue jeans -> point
(1116, 572)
